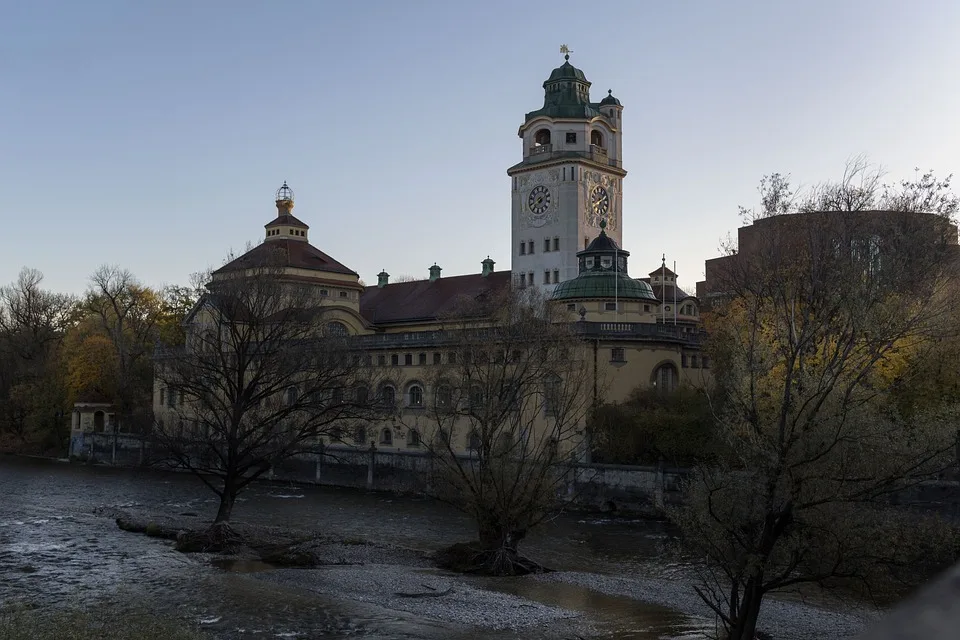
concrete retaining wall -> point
(605, 487)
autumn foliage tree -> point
(818, 314)
(33, 392)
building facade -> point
(567, 208)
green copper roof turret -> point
(603, 274)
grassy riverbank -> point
(106, 623)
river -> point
(56, 551)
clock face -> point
(599, 201)
(539, 200)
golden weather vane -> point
(565, 50)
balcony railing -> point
(541, 148)
(597, 150)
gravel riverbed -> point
(400, 579)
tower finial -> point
(566, 51)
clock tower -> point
(570, 179)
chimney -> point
(383, 279)
(435, 272)
(487, 267)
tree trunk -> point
(500, 557)
(745, 625)
(227, 499)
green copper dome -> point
(604, 285)
(603, 274)
(566, 71)
(566, 94)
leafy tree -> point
(127, 313)
(33, 322)
(651, 426)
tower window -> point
(343, 294)
(556, 244)
(523, 248)
(596, 138)
(571, 138)
(610, 306)
(542, 137)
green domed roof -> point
(604, 284)
(610, 100)
(566, 71)
(566, 94)
(603, 274)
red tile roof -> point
(664, 271)
(296, 254)
(667, 290)
(423, 300)
(286, 219)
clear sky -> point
(153, 134)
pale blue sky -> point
(153, 134)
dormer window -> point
(589, 263)
(606, 262)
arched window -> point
(291, 395)
(596, 138)
(664, 378)
(337, 329)
(473, 441)
(413, 438)
(476, 397)
(414, 395)
(541, 137)
(336, 396)
(388, 396)
(442, 438)
(444, 398)
(386, 437)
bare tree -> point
(823, 311)
(861, 188)
(514, 391)
(258, 380)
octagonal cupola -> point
(603, 274)
(286, 226)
